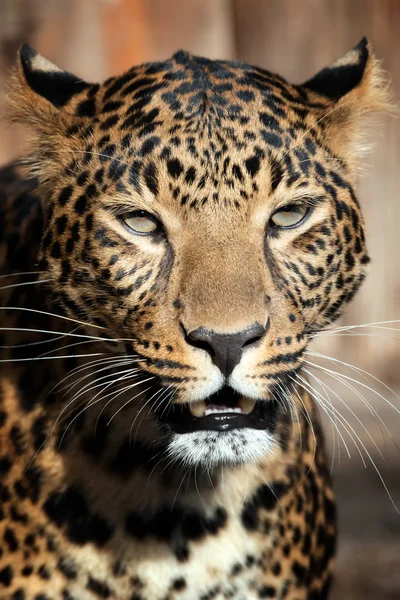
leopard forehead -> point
(198, 130)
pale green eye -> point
(289, 215)
(141, 222)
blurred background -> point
(98, 38)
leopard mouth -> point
(223, 411)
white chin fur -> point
(213, 448)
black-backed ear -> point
(46, 98)
(47, 80)
(40, 92)
(352, 87)
(344, 75)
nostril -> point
(197, 338)
(252, 340)
(255, 332)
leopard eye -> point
(289, 215)
(141, 222)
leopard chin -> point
(210, 449)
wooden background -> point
(99, 38)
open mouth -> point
(223, 411)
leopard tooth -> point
(246, 404)
(198, 409)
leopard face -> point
(203, 213)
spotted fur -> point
(99, 498)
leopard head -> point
(204, 213)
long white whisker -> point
(50, 314)
(348, 408)
(21, 273)
(363, 446)
(131, 399)
(15, 285)
(329, 409)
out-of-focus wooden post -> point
(143, 30)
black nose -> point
(225, 349)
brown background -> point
(98, 38)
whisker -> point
(328, 409)
(41, 342)
(21, 273)
(91, 404)
(91, 364)
(131, 399)
(50, 314)
(363, 384)
(33, 358)
(69, 333)
(363, 445)
(112, 364)
(350, 411)
(15, 285)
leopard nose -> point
(225, 349)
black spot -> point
(150, 178)
(17, 439)
(67, 568)
(267, 591)
(149, 145)
(299, 572)
(70, 509)
(10, 540)
(175, 168)
(245, 95)
(3, 417)
(80, 205)
(6, 576)
(56, 250)
(110, 107)
(178, 584)
(349, 259)
(276, 174)
(109, 123)
(269, 121)
(253, 165)
(271, 139)
(98, 587)
(265, 497)
(190, 175)
(38, 431)
(87, 108)
(237, 172)
(43, 572)
(61, 224)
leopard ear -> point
(50, 101)
(39, 89)
(345, 74)
(354, 86)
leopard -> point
(171, 239)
